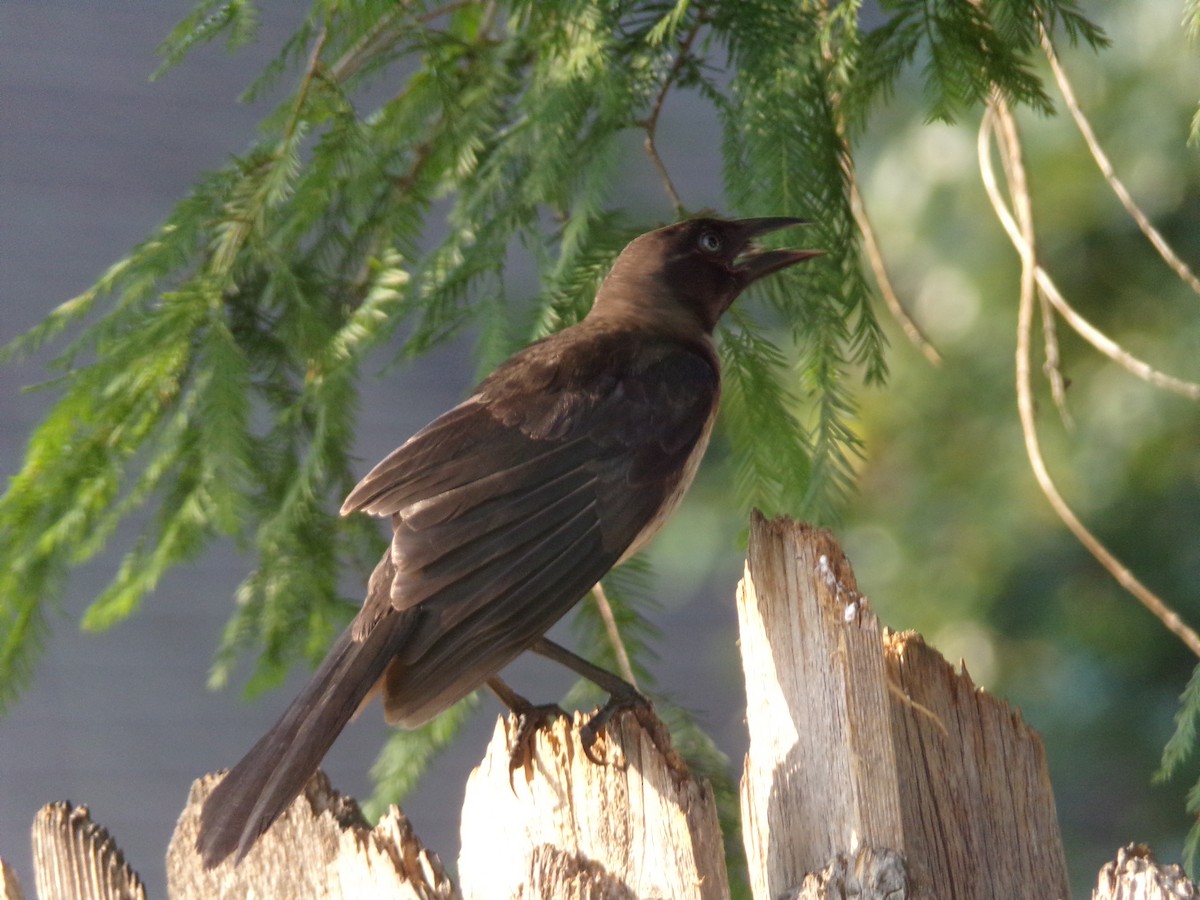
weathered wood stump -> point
(864, 738)
(875, 770)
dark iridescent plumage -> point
(509, 507)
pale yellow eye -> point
(709, 242)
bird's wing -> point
(508, 508)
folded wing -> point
(507, 509)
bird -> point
(507, 509)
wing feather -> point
(486, 563)
(507, 509)
(452, 661)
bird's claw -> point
(531, 719)
(641, 708)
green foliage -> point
(1178, 750)
(211, 384)
(1187, 727)
(406, 754)
(968, 50)
(1191, 22)
(237, 19)
(784, 149)
(1191, 19)
(756, 400)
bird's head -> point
(686, 275)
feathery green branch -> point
(423, 145)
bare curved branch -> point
(1106, 169)
(1074, 318)
(614, 633)
(890, 298)
(1111, 348)
(998, 114)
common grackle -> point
(507, 509)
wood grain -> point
(639, 826)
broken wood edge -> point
(640, 825)
(76, 857)
(819, 775)
(321, 846)
(1134, 874)
(859, 737)
(551, 867)
(869, 872)
(10, 884)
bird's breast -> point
(675, 492)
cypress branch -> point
(218, 385)
(407, 754)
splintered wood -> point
(565, 827)
(10, 885)
(76, 857)
(858, 739)
(875, 771)
(973, 780)
(818, 779)
(1136, 875)
(320, 847)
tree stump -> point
(320, 847)
(74, 857)
(875, 770)
(563, 826)
(865, 738)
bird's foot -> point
(642, 709)
(531, 719)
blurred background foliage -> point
(947, 529)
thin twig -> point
(1051, 367)
(1106, 169)
(1010, 148)
(310, 73)
(614, 633)
(383, 34)
(1089, 332)
(1111, 348)
(875, 257)
(651, 123)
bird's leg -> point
(622, 696)
(530, 718)
(615, 685)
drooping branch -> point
(891, 299)
(1085, 329)
(998, 122)
(650, 125)
(1106, 169)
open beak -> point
(753, 263)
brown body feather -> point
(508, 508)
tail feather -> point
(255, 791)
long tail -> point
(272, 774)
